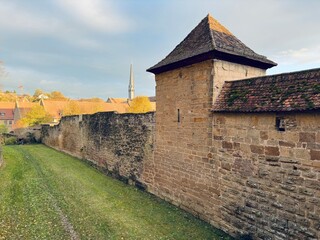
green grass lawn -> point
(45, 194)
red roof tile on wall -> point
(297, 91)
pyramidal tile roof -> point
(210, 40)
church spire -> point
(131, 84)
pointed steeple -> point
(211, 40)
(131, 84)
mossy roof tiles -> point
(297, 91)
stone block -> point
(264, 135)
(227, 145)
(287, 144)
(257, 149)
(272, 151)
(315, 154)
(307, 137)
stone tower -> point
(131, 84)
(188, 81)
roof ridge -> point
(275, 75)
(211, 34)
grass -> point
(45, 194)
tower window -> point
(280, 124)
(179, 115)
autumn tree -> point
(37, 115)
(94, 99)
(72, 108)
(140, 104)
(3, 128)
(56, 95)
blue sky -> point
(84, 48)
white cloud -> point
(33, 23)
(14, 18)
(299, 56)
(97, 14)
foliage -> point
(56, 95)
(3, 128)
(40, 185)
(140, 104)
(10, 140)
(37, 93)
(94, 99)
(78, 107)
(72, 108)
(37, 115)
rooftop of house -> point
(117, 100)
(57, 108)
(27, 105)
(210, 40)
(296, 91)
(6, 114)
(7, 105)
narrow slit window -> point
(280, 124)
(178, 115)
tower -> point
(188, 81)
(131, 84)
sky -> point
(84, 48)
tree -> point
(56, 95)
(94, 99)
(37, 115)
(72, 108)
(37, 93)
(140, 104)
(3, 128)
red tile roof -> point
(297, 91)
(210, 40)
(6, 114)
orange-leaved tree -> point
(140, 104)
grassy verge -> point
(45, 194)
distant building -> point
(21, 109)
(6, 114)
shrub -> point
(10, 141)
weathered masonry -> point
(243, 155)
(239, 149)
(119, 144)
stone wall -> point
(243, 173)
(181, 172)
(116, 143)
(269, 179)
(184, 171)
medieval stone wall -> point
(269, 179)
(118, 143)
(184, 170)
(243, 173)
